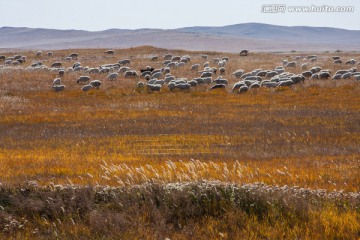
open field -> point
(118, 138)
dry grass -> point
(306, 136)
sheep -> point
(307, 74)
(207, 64)
(50, 54)
(285, 83)
(2, 57)
(261, 73)
(169, 78)
(254, 85)
(86, 88)
(222, 70)
(61, 72)
(57, 81)
(156, 75)
(304, 66)
(313, 60)
(336, 77)
(204, 57)
(180, 65)
(222, 63)
(95, 83)
(218, 86)
(291, 65)
(243, 89)
(337, 61)
(254, 78)
(315, 69)
(220, 80)
(147, 77)
(140, 84)
(271, 74)
(296, 58)
(123, 69)
(168, 56)
(195, 67)
(206, 74)
(153, 87)
(216, 60)
(154, 58)
(38, 54)
(284, 62)
(74, 56)
(167, 70)
(244, 52)
(124, 61)
(175, 58)
(357, 77)
(181, 86)
(56, 64)
(268, 84)
(351, 62)
(130, 73)
(314, 76)
(58, 88)
(109, 52)
(83, 79)
(93, 70)
(193, 83)
(335, 57)
(346, 75)
(312, 56)
(324, 75)
(298, 78)
(171, 65)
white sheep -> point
(58, 88)
(83, 79)
(112, 76)
(86, 88)
(95, 83)
(57, 81)
(195, 67)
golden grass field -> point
(305, 136)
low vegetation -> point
(116, 162)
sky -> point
(97, 15)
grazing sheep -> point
(244, 52)
(154, 58)
(74, 56)
(314, 76)
(171, 65)
(297, 79)
(61, 72)
(207, 64)
(95, 83)
(193, 83)
(291, 65)
(313, 60)
(284, 62)
(271, 74)
(337, 61)
(58, 88)
(315, 69)
(341, 72)
(130, 73)
(94, 70)
(307, 74)
(324, 75)
(147, 77)
(357, 77)
(222, 63)
(238, 85)
(346, 75)
(243, 89)
(304, 66)
(220, 80)
(168, 56)
(261, 73)
(38, 54)
(335, 57)
(218, 86)
(254, 78)
(50, 54)
(140, 84)
(216, 60)
(2, 57)
(56, 65)
(57, 81)
(312, 56)
(254, 85)
(206, 74)
(222, 70)
(156, 75)
(285, 83)
(181, 86)
(124, 61)
(204, 56)
(86, 88)
(336, 77)
(109, 52)
(169, 78)
(180, 65)
(268, 84)
(297, 58)
(351, 62)
(195, 67)
(124, 69)
(153, 87)
(83, 79)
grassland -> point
(117, 138)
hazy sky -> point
(167, 14)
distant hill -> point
(232, 38)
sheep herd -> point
(209, 72)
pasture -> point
(124, 141)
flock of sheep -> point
(209, 72)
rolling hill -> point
(232, 38)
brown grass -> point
(306, 136)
